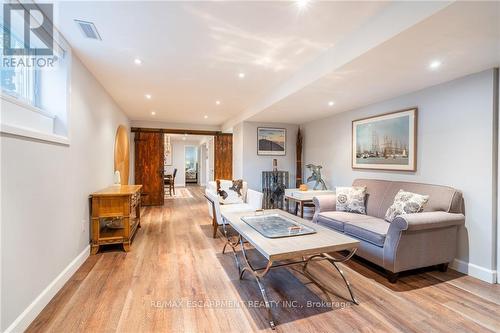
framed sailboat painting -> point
(386, 142)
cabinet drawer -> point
(109, 206)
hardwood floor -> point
(175, 279)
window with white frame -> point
(34, 88)
(21, 82)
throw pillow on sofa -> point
(351, 199)
(227, 192)
(406, 203)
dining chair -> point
(170, 181)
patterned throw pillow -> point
(237, 186)
(351, 199)
(406, 203)
(229, 191)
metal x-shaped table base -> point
(259, 273)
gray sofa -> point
(411, 241)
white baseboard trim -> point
(476, 271)
(31, 312)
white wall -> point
(178, 150)
(238, 151)
(203, 155)
(211, 159)
(45, 213)
(455, 148)
(250, 165)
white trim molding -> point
(31, 134)
(476, 271)
(31, 312)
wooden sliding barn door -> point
(149, 167)
(223, 151)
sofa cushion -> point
(336, 220)
(372, 230)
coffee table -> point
(286, 251)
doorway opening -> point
(188, 162)
(161, 171)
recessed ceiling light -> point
(302, 4)
(331, 103)
(153, 113)
(435, 64)
(148, 96)
(184, 138)
(205, 116)
(241, 75)
(137, 61)
(217, 102)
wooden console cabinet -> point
(119, 202)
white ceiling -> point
(295, 61)
(464, 37)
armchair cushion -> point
(428, 220)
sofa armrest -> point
(254, 199)
(428, 220)
(325, 203)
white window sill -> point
(25, 105)
(20, 119)
(29, 133)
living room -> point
(344, 153)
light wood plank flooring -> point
(175, 279)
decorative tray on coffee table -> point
(276, 226)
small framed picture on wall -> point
(271, 141)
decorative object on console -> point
(351, 199)
(122, 154)
(274, 184)
(316, 176)
(298, 173)
(406, 203)
(271, 141)
(386, 142)
(303, 187)
(117, 178)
